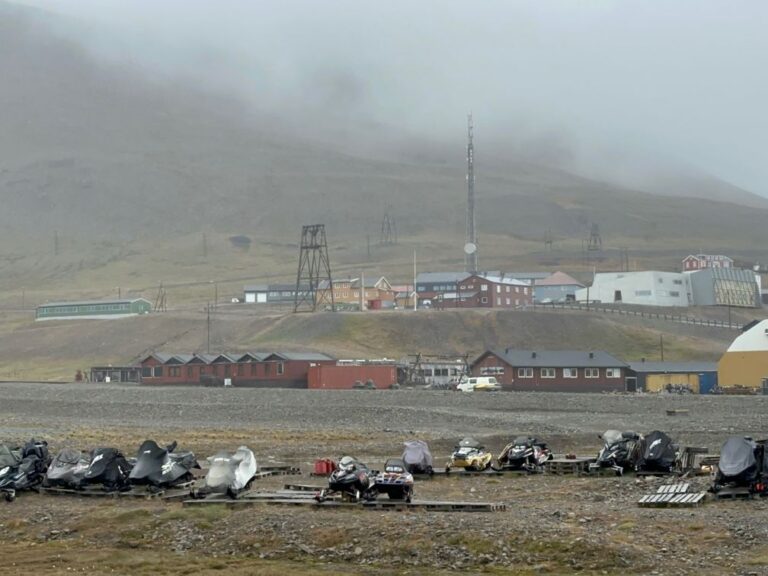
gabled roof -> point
(673, 367)
(161, 358)
(500, 279)
(299, 356)
(559, 279)
(249, 356)
(432, 277)
(556, 358)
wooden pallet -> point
(568, 466)
(734, 493)
(681, 488)
(383, 504)
(653, 473)
(672, 500)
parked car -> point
(479, 384)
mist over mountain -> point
(99, 141)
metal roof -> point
(306, 356)
(441, 276)
(557, 358)
(673, 367)
(499, 279)
(559, 279)
(92, 302)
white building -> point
(649, 288)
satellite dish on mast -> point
(470, 248)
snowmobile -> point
(162, 467)
(10, 459)
(524, 453)
(742, 465)
(470, 455)
(67, 469)
(619, 451)
(30, 471)
(352, 480)
(395, 481)
(229, 474)
(656, 453)
(417, 457)
(109, 468)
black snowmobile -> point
(30, 471)
(109, 468)
(352, 480)
(742, 465)
(162, 467)
(67, 469)
(10, 459)
(524, 453)
(656, 453)
(619, 451)
(417, 457)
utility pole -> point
(661, 345)
(208, 326)
(470, 248)
(415, 293)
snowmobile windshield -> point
(67, 456)
(469, 443)
(347, 463)
(611, 437)
(736, 456)
(8, 457)
(149, 459)
(522, 441)
(417, 452)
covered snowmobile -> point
(417, 457)
(109, 468)
(395, 481)
(229, 474)
(352, 480)
(10, 460)
(470, 455)
(67, 469)
(656, 453)
(619, 451)
(29, 473)
(524, 453)
(742, 464)
(162, 467)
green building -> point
(97, 309)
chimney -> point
(591, 355)
(642, 359)
(533, 354)
(506, 350)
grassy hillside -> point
(56, 349)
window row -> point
(569, 372)
(225, 370)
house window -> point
(517, 289)
(267, 368)
(175, 371)
(678, 282)
(507, 289)
(661, 280)
(547, 372)
(642, 292)
(498, 301)
(484, 287)
(508, 301)
(592, 372)
(158, 371)
(525, 290)
(190, 372)
(525, 372)
(517, 302)
(484, 300)
(253, 369)
(570, 372)
(280, 368)
(498, 289)
(674, 293)
(146, 371)
(613, 372)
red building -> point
(553, 371)
(346, 376)
(702, 261)
(487, 291)
(264, 369)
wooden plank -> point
(303, 487)
(373, 505)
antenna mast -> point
(470, 248)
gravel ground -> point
(552, 524)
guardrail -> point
(678, 318)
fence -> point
(678, 318)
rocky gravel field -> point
(552, 524)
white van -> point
(479, 383)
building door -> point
(617, 296)
(630, 384)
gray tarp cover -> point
(737, 455)
(417, 452)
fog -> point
(622, 90)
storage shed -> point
(93, 309)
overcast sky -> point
(608, 83)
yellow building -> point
(745, 363)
